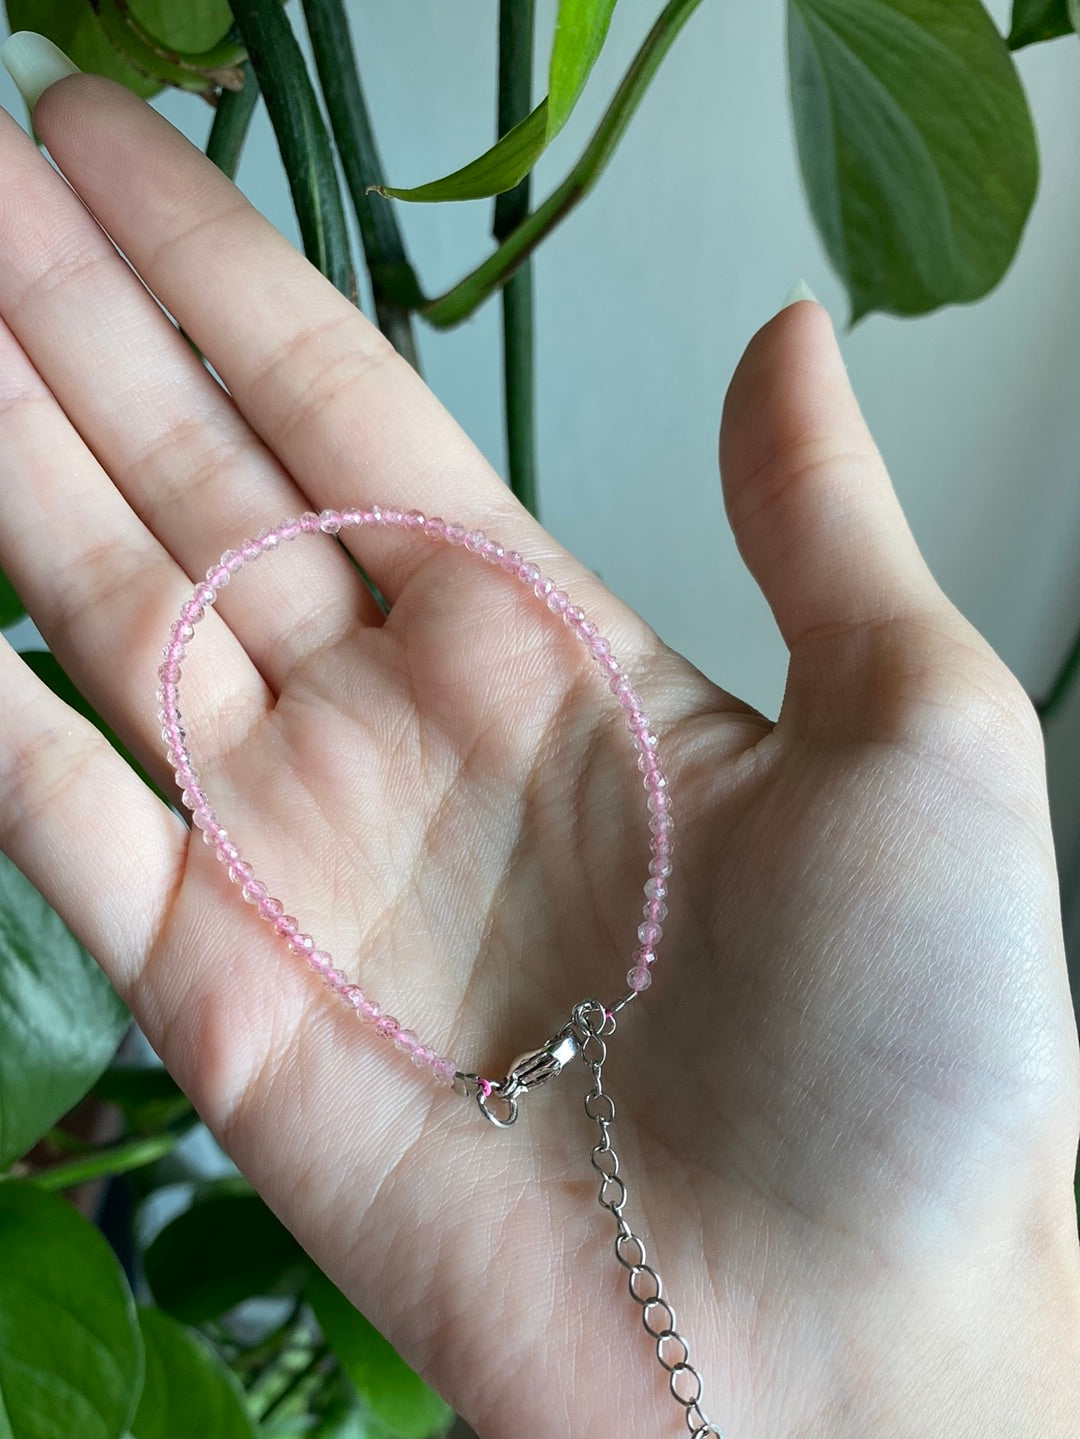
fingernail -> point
(34, 63)
(799, 291)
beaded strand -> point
(240, 872)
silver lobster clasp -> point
(498, 1102)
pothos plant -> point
(920, 165)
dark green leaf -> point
(916, 144)
(11, 607)
(580, 30)
(149, 1097)
(70, 1353)
(47, 668)
(1034, 20)
(60, 1019)
(194, 25)
(186, 1389)
(226, 1248)
(390, 1389)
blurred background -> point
(647, 295)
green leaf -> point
(192, 26)
(47, 668)
(581, 27)
(580, 31)
(186, 1389)
(1035, 20)
(60, 1019)
(70, 1353)
(226, 1248)
(148, 1097)
(390, 1389)
(916, 144)
(11, 607)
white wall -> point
(649, 292)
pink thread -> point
(256, 893)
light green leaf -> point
(60, 1019)
(581, 27)
(186, 1389)
(70, 1352)
(226, 1248)
(11, 607)
(386, 1384)
(1035, 20)
(916, 144)
(580, 31)
(193, 25)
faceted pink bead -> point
(574, 616)
(455, 534)
(543, 587)
(192, 613)
(239, 871)
(557, 602)
(290, 529)
(660, 867)
(271, 908)
(228, 852)
(350, 518)
(302, 944)
(218, 576)
(406, 1041)
(353, 994)
(656, 911)
(336, 979)
(639, 978)
(254, 891)
(393, 517)
(369, 1009)
(422, 1056)
(435, 529)
(268, 540)
(309, 522)
(658, 802)
(444, 1070)
(475, 541)
(251, 550)
(286, 926)
(646, 742)
(414, 520)
(387, 1026)
(205, 594)
(528, 574)
(319, 960)
(491, 551)
(511, 562)
(599, 647)
(650, 934)
(656, 889)
(232, 561)
(330, 521)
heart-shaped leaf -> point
(60, 1019)
(386, 1384)
(226, 1248)
(581, 27)
(11, 607)
(70, 1352)
(193, 25)
(186, 1389)
(1035, 20)
(916, 144)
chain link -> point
(590, 1026)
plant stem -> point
(232, 117)
(516, 30)
(294, 1383)
(134, 1154)
(301, 135)
(1064, 680)
(394, 286)
(463, 298)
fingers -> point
(65, 792)
(102, 589)
(347, 417)
(169, 437)
(810, 503)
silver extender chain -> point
(591, 1024)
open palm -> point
(848, 1105)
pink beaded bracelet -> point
(239, 870)
(584, 1036)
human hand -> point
(848, 1106)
